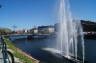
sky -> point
(26, 14)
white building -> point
(46, 29)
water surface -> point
(34, 48)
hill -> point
(88, 26)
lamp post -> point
(14, 27)
(1, 6)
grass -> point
(22, 57)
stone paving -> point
(1, 57)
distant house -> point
(34, 30)
(46, 29)
(19, 31)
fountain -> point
(70, 40)
(70, 33)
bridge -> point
(24, 36)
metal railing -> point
(7, 56)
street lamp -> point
(0, 6)
(14, 27)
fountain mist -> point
(70, 33)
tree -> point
(5, 31)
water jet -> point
(70, 34)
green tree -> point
(5, 31)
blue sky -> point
(26, 14)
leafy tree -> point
(5, 31)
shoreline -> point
(18, 53)
(26, 54)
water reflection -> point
(34, 48)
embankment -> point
(18, 53)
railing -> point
(7, 56)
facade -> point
(46, 29)
(19, 31)
(34, 31)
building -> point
(46, 29)
(34, 31)
(20, 31)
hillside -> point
(88, 26)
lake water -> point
(35, 49)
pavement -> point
(1, 57)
